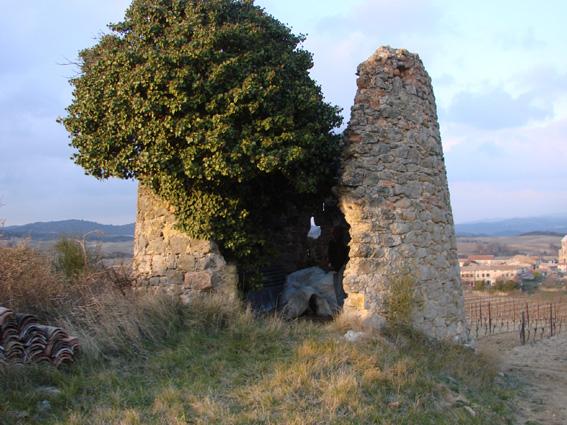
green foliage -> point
(70, 258)
(401, 299)
(210, 104)
(480, 285)
(505, 285)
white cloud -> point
(495, 109)
(481, 200)
(511, 172)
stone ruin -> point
(168, 260)
(394, 194)
(392, 191)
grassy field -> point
(219, 365)
(509, 245)
(148, 359)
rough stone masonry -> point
(167, 260)
(394, 194)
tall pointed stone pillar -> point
(394, 194)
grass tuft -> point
(401, 299)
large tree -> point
(209, 103)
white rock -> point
(311, 284)
(353, 336)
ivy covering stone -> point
(210, 104)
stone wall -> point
(168, 260)
(393, 192)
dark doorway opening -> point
(297, 249)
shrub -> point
(211, 105)
(71, 257)
(401, 299)
(99, 307)
(505, 285)
(28, 282)
(480, 285)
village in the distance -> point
(485, 271)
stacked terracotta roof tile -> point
(24, 340)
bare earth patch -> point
(541, 370)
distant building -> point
(491, 274)
(562, 257)
(546, 268)
(486, 260)
(523, 261)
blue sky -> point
(499, 72)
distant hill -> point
(51, 230)
(542, 234)
(550, 225)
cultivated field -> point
(530, 317)
(509, 245)
(538, 370)
(526, 336)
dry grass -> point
(99, 307)
(27, 281)
(150, 360)
(111, 324)
(223, 366)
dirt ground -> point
(540, 369)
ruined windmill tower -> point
(394, 194)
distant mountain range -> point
(51, 230)
(549, 225)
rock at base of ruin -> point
(311, 288)
(394, 194)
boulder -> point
(309, 289)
